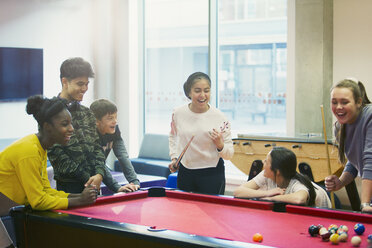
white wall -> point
(104, 32)
(352, 48)
(62, 29)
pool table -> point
(170, 218)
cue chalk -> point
(327, 151)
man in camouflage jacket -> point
(81, 162)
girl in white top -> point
(201, 169)
(279, 181)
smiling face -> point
(74, 89)
(344, 106)
(107, 124)
(200, 96)
(61, 129)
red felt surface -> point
(214, 217)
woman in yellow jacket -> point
(23, 174)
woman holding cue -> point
(353, 131)
(205, 132)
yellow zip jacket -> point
(24, 178)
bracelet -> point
(365, 204)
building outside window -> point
(252, 52)
(176, 45)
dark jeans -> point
(205, 181)
(70, 187)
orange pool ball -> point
(257, 237)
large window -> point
(176, 45)
(251, 73)
(252, 64)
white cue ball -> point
(356, 240)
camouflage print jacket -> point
(83, 157)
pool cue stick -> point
(328, 159)
(182, 153)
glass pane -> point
(176, 45)
(252, 65)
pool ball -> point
(325, 236)
(313, 230)
(332, 226)
(257, 237)
(333, 229)
(369, 239)
(342, 236)
(356, 240)
(342, 228)
(359, 228)
(334, 238)
(322, 230)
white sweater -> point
(202, 152)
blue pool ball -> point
(359, 228)
(369, 239)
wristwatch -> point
(365, 204)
